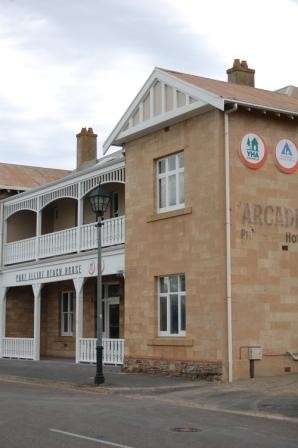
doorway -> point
(111, 300)
(113, 319)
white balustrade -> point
(18, 251)
(88, 236)
(18, 348)
(23, 348)
(57, 243)
(113, 231)
(113, 350)
(65, 241)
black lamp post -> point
(99, 201)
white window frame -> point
(175, 172)
(69, 313)
(166, 295)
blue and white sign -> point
(286, 156)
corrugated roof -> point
(23, 177)
(240, 93)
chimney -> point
(241, 74)
(86, 148)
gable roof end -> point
(164, 99)
(169, 96)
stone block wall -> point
(264, 205)
(209, 370)
(19, 312)
(190, 241)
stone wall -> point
(264, 206)
(189, 241)
(210, 370)
(19, 312)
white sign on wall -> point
(286, 156)
(252, 151)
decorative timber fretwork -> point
(40, 198)
(69, 191)
(25, 204)
(116, 175)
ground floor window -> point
(67, 313)
(171, 305)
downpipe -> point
(228, 241)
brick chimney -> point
(241, 74)
(86, 148)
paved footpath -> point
(270, 397)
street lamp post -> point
(99, 201)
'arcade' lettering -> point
(270, 215)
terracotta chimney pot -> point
(86, 148)
(240, 73)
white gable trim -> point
(156, 122)
(199, 97)
(204, 95)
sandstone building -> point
(204, 280)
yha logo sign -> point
(253, 151)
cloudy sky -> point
(66, 64)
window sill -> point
(172, 214)
(175, 341)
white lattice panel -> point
(25, 204)
(76, 190)
(69, 191)
(117, 175)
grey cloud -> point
(88, 37)
(97, 31)
(41, 143)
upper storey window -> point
(170, 182)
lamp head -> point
(99, 201)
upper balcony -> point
(75, 239)
(57, 219)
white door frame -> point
(107, 301)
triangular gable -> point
(162, 100)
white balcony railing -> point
(23, 348)
(64, 242)
(18, 348)
(113, 350)
(57, 243)
(19, 251)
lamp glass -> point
(99, 200)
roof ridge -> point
(33, 166)
(223, 82)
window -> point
(171, 305)
(170, 182)
(67, 313)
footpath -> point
(268, 397)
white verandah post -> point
(79, 217)
(37, 298)
(78, 284)
(2, 317)
(38, 229)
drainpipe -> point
(228, 241)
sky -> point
(68, 64)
